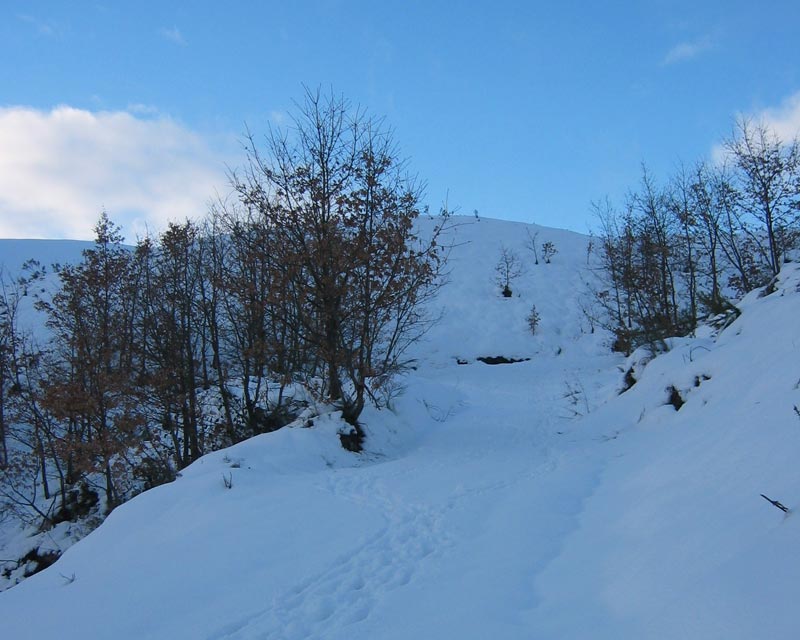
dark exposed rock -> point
(500, 360)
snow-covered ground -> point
(523, 500)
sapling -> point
(508, 269)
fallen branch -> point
(228, 480)
(776, 504)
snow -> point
(13, 253)
(526, 500)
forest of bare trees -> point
(681, 251)
(304, 286)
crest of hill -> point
(477, 320)
(14, 253)
(473, 318)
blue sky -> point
(521, 110)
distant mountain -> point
(14, 253)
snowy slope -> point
(676, 541)
(13, 253)
(477, 321)
(512, 501)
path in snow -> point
(491, 460)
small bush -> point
(548, 251)
(533, 320)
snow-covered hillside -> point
(524, 500)
(14, 253)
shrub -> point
(533, 320)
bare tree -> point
(640, 258)
(176, 349)
(616, 291)
(548, 251)
(343, 207)
(706, 220)
(9, 302)
(682, 206)
(533, 319)
(507, 269)
(769, 174)
(532, 244)
(89, 388)
(258, 308)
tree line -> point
(308, 284)
(678, 252)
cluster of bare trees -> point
(679, 251)
(126, 390)
(308, 283)
(510, 266)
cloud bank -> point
(60, 168)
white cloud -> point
(60, 168)
(784, 119)
(687, 50)
(173, 35)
